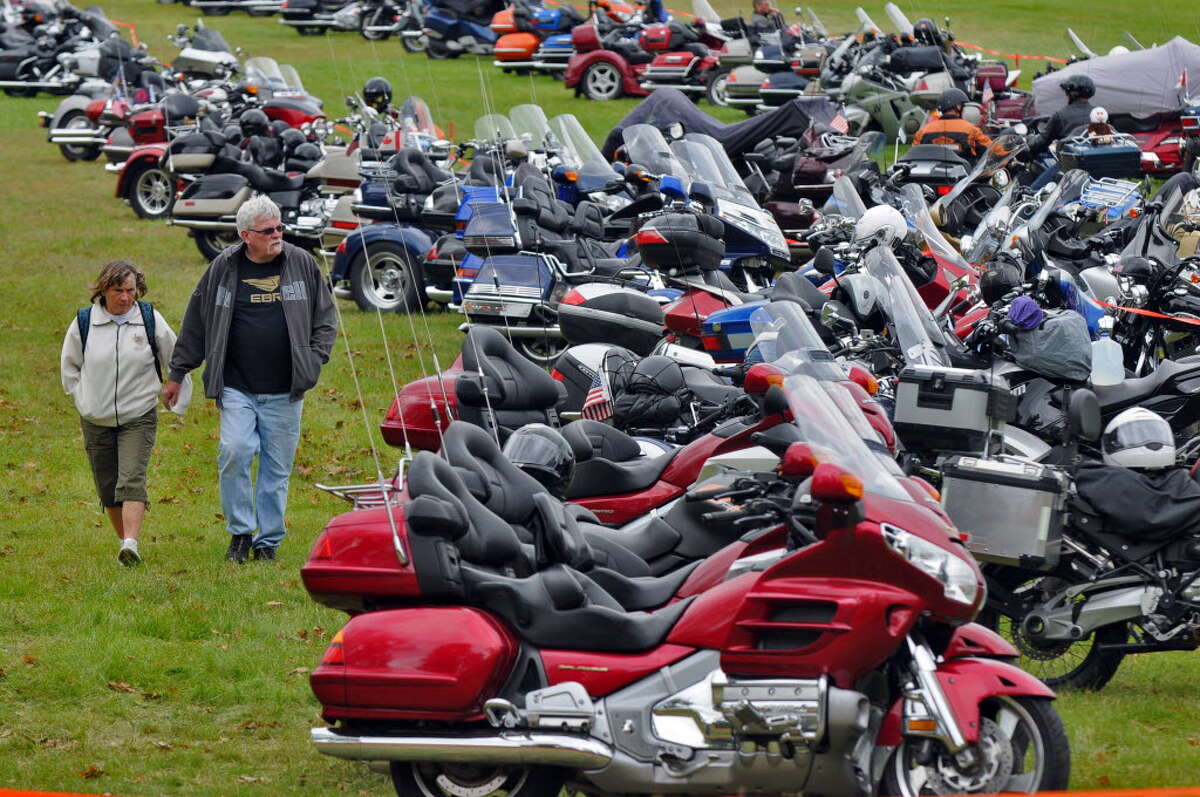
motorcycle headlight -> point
(956, 575)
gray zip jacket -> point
(307, 309)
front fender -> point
(415, 240)
(145, 154)
(967, 683)
(975, 640)
(76, 102)
(581, 61)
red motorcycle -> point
(842, 663)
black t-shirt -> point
(258, 358)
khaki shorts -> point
(119, 456)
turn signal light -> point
(799, 462)
(712, 342)
(942, 190)
(835, 484)
(921, 725)
(760, 377)
(864, 379)
(333, 654)
(929, 488)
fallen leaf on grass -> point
(1103, 781)
(121, 686)
(250, 779)
(274, 604)
(30, 660)
(298, 671)
(92, 771)
(1192, 740)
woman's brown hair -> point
(113, 274)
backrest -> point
(500, 390)
(589, 439)
(588, 221)
(503, 487)
(797, 288)
(550, 215)
(488, 541)
(486, 169)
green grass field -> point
(189, 675)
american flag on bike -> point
(839, 123)
(985, 100)
(597, 405)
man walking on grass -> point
(262, 318)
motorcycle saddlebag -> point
(682, 242)
(9, 61)
(995, 75)
(950, 409)
(916, 59)
(1011, 512)
(1123, 158)
(597, 312)
(215, 195)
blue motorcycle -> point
(454, 27)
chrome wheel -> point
(76, 120)
(213, 242)
(602, 81)
(152, 193)
(475, 780)
(384, 277)
(716, 89)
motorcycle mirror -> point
(798, 462)
(635, 173)
(351, 102)
(836, 317)
(702, 193)
(835, 484)
(1000, 179)
(824, 261)
(775, 401)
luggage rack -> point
(371, 495)
(1109, 192)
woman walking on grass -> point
(111, 363)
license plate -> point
(483, 308)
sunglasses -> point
(269, 230)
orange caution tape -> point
(133, 37)
(1013, 56)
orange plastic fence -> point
(132, 36)
(1015, 57)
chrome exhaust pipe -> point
(438, 294)
(35, 84)
(66, 136)
(499, 747)
(202, 224)
(516, 332)
(412, 34)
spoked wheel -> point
(151, 192)
(213, 242)
(475, 780)
(415, 44)
(76, 120)
(371, 21)
(385, 277)
(602, 81)
(1022, 747)
(1065, 664)
(541, 350)
(437, 49)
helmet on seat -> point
(1002, 276)
(544, 454)
(926, 31)
(377, 93)
(291, 138)
(883, 223)
(950, 99)
(254, 122)
(1078, 87)
(1138, 438)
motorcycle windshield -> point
(577, 149)
(645, 146)
(291, 77)
(494, 127)
(787, 339)
(211, 40)
(864, 19)
(265, 72)
(986, 240)
(530, 124)
(1154, 239)
(415, 115)
(916, 331)
(1070, 184)
(912, 201)
(1002, 150)
(845, 201)
(704, 11)
(815, 23)
(903, 26)
(834, 440)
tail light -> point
(334, 654)
(574, 297)
(460, 225)
(557, 376)
(644, 237)
(341, 248)
(712, 342)
(942, 190)
(432, 253)
(345, 225)
(766, 84)
(322, 550)
(760, 377)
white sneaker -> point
(128, 555)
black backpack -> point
(84, 316)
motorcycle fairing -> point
(415, 241)
(604, 673)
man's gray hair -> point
(254, 210)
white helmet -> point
(883, 223)
(1098, 116)
(1119, 49)
(1190, 209)
(1138, 438)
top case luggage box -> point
(950, 409)
(605, 313)
(682, 243)
(1121, 158)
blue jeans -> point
(267, 426)
(1052, 171)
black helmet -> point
(307, 152)
(1002, 275)
(254, 122)
(377, 93)
(544, 454)
(278, 126)
(950, 99)
(1139, 269)
(179, 108)
(232, 133)
(1079, 87)
(925, 30)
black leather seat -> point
(416, 174)
(797, 288)
(600, 476)
(486, 169)
(500, 389)
(933, 152)
(709, 388)
(1131, 391)
(589, 439)
(269, 181)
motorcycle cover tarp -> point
(1059, 348)
(1140, 83)
(1148, 506)
(666, 106)
(477, 9)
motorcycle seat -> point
(1133, 391)
(270, 181)
(709, 388)
(601, 476)
(796, 288)
(503, 487)
(589, 439)
(499, 388)
(416, 173)
(486, 169)
(933, 152)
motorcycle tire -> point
(418, 779)
(151, 192)
(1028, 727)
(541, 351)
(259, 12)
(372, 36)
(213, 242)
(714, 87)
(77, 152)
(385, 277)
(312, 31)
(438, 51)
(1081, 664)
(417, 45)
(209, 11)
(13, 92)
(602, 82)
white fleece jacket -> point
(115, 383)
